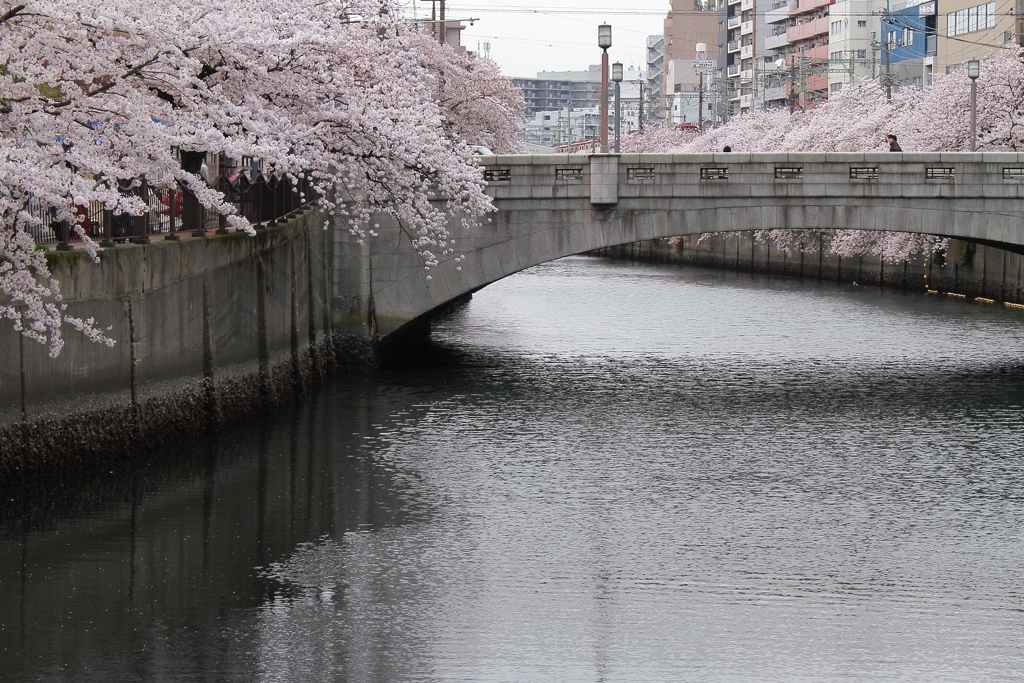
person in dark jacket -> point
(893, 145)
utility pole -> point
(874, 55)
(640, 108)
(792, 86)
(442, 31)
(885, 47)
(1019, 23)
(700, 103)
(888, 72)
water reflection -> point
(596, 473)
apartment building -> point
(776, 75)
(744, 30)
(563, 126)
(969, 30)
(688, 24)
(554, 90)
(853, 42)
(567, 125)
(808, 57)
(695, 90)
(922, 38)
(793, 53)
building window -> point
(899, 38)
(978, 18)
(837, 27)
(836, 56)
(835, 87)
(862, 24)
(862, 54)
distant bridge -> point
(550, 206)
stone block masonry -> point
(550, 206)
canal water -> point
(596, 472)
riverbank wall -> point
(208, 330)
(966, 269)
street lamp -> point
(973, 71)
(617, 77)
(604, 41)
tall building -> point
(750, 34)
(774, 80)
(808, 37)
(554, 90)
(968, 30)
(853, 42)
(922, 38)
(688, 23)
(563, 126)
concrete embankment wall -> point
(207, 330)
(966, 269)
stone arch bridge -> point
(550, 206)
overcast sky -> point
(559, 35)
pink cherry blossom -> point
(857, 119)
(346, 94)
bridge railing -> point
(607, 178)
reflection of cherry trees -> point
(95, 93)
(857, 119)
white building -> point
(563, 126)
(851, 53)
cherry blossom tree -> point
(857, 119)
(344, 94)
(479, 105)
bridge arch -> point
(551, 206)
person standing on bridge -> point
(893, 145)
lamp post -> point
(973, 71)
(604, 41)
(617, 77)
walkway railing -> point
(175, 212)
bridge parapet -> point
(607, 179)
(550, 206)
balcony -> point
(734, 21)
(775, 42)
(808, 5)
(733, 2)
(808, 29)
(746, 101)
(747, 75)
(776, 15)
(733, 46)
(775, 93)
(816, 82)
(747, 27)
(746, 52)
(820, 53)
(746, 4)
(734, 70)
